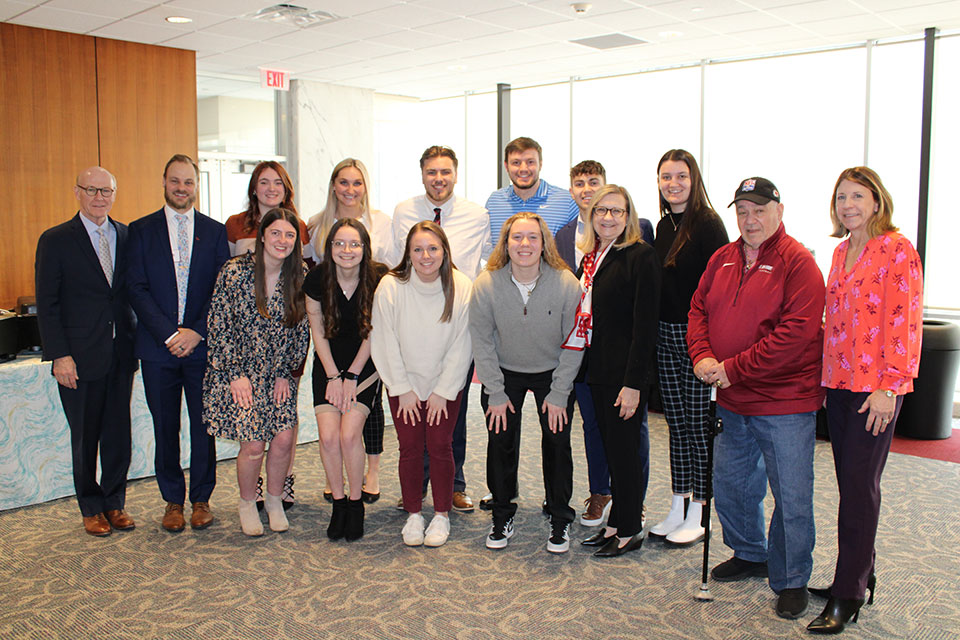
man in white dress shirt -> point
(467, 227)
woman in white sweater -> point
(420, 344)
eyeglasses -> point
(340, 244)
(106, 192)
(616, 212)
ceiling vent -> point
(292, 14)
(610, 41)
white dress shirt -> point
(465, 223)
(172, 227)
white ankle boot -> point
(690, 531)
(250, 518)
(674, 518)
(273, 505)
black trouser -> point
(503, 449)
(627, 444)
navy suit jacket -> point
(566, 239)
(152, 282)
(77, 309)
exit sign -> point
(273, 79)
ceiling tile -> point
(519, 17)
(231, 8)
(8, 8)
(461, 28)
(61, 20)
(158, 14)
(815, 11)
(108, 8)
(408, 16)
(315, 60)
(413, 39)
(251, 29)
(268, 51)
(137, 32)
(369, 49)
(310, 38)
(204, 42)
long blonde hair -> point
(500, 257)
(882, 220)
(319, 224)
(631, 234)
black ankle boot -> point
(338, 519)
(836, 615)
(354, 525)
(824, 592)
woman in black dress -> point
(339, 296)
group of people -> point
(565, 293)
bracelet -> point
(349, 375)
(888, 393)
(333, 377)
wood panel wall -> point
(70, 101)
(147, 97)
(48, 107)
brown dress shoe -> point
(120, 519)
(96, 525)
(173, 517)
(201, 518)
(462, 502)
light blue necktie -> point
(183, 265)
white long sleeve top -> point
(412, 349)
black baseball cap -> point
(756, 190)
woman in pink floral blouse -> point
(871, 353)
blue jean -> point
(750, 451)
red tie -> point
(436, 217)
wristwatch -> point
(889, 394)
(349, 375)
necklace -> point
(672, 221)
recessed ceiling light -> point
(457, 67)
(697, 9)
(179, 19)
(670, 34)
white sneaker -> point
(413, 530)
(438, 531)
(673, 520)
(689, 530)
(559, 541)
(499, 534)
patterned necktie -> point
(106, 262)
(183, 265)
(436, 215)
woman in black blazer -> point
(620, 275)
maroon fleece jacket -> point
(765, 325)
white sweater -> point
(412, 349)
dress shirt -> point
(110, 231)
(465, 223)
(170, 215)
(553, 204)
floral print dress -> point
(241, 342)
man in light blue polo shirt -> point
(523, 158)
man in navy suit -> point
(86, 326)
(175, 256)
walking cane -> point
(714, 427)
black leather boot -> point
(338, 519)
(354, 527)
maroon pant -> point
(438, 440)
(859, 458)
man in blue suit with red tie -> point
(175, 256)
(86, 327)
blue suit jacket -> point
(152, 282)
(566, 238)
(80, 314)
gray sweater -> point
(507, 334)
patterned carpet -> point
(60, 583)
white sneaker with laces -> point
(413, 530)
(438, 531)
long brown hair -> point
(698, 206)
(252, 215)
(882, 220)
(370, 273)
(402, 270)
(291, 272)
(500, 257)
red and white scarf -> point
(580, 336)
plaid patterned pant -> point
(686, 402)
(373, 427)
